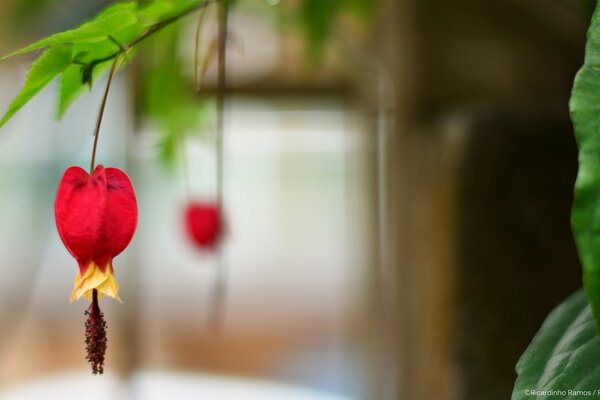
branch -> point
(152, 30)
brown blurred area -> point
(417, 230)
(481, 162)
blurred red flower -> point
(203, 224)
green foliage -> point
(42, 71)
(364, 9)
(169, 99)
(318, 18)
(164, 10)
(585, 217)
(563, 355)
(562, 359)
(110, 22)
(82, 54)
(73, 82)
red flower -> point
(96, 217)
(203, 224)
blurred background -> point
(397, 180)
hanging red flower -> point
(203, 224)
(96, 216)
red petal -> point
(96, 215)
(203, 223)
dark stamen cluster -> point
(95, 336)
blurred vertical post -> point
(477, 143)
(416, 232)
(415, 222)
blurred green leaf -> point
(168, 98)
(365, 9)
(42, 71)
(168, 149)
(585, 215)
(317, 20)
(563, 355)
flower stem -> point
(199, 24)
(223, 16)
(113, 72)
(220, 288)
(124, 50)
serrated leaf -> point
(563, 356)
(70, 87)
(77, 78)
(111, 21)
(73, 83)
(585, 215)
(42, 71)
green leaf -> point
(74, 81)
(563, 355)
(167, 147)
(168, 98)
(585, 215)
(42, 71)
(77, 78)
(160, 10)
(70, 88)
(365, 9)
(318, 18)
(111, 21)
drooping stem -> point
(223, 16)
(220, 289)
(197, 49)
(112, 74)
(95, 335)
(184, 166)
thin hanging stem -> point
(184, 166)
(201, 15)
(112, 74)
(223, 16)
(220, 288)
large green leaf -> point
(111, 21)
(42, 71)
(585, 217)
(77, 78)
(73, 84)
(562, 361)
